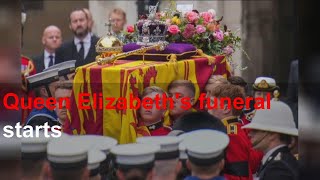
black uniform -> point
(68, 51)
(281, 165)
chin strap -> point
(48, 91)
(260, 140)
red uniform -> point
(241, 159)
(157, 129)
(27, 66)
(27, 69)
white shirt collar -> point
(46, 58)
(85, 40)
(268, 154)
(86, 44)
(47, 54)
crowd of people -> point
(218, 143)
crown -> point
(151, 30)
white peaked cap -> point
(43, 78)
(135, 154)
(205, 146)
(183, 152)
(269, 80)
(95, 157)
(67, 153)
(264, 84)
(169, 145)
(63, 65)
(182, 145)
(102, 143)
(278, 118)
(34, 147)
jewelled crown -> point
(151, 30)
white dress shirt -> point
(86, 44)
(47, 59)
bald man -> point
(51, 40)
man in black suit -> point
(51, 40)
(271, 131)
(82, 46)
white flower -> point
(213, 12)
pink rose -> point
(228, 50)
(200, 29)
(189, 31)
(130, 29)
(218, 35)
(174, 29)
(207, 17)
(192, 16)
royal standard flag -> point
(124, 79)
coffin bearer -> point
(34, 154)
(68, 159)
(206, 152)
(271, 131)
(135, 161)
(95, 157)
(44, 85)
(167, 165)
(103, 144)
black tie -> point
(81, 51)
(51, 60)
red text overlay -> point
(12, 101)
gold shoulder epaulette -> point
(232, 129)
